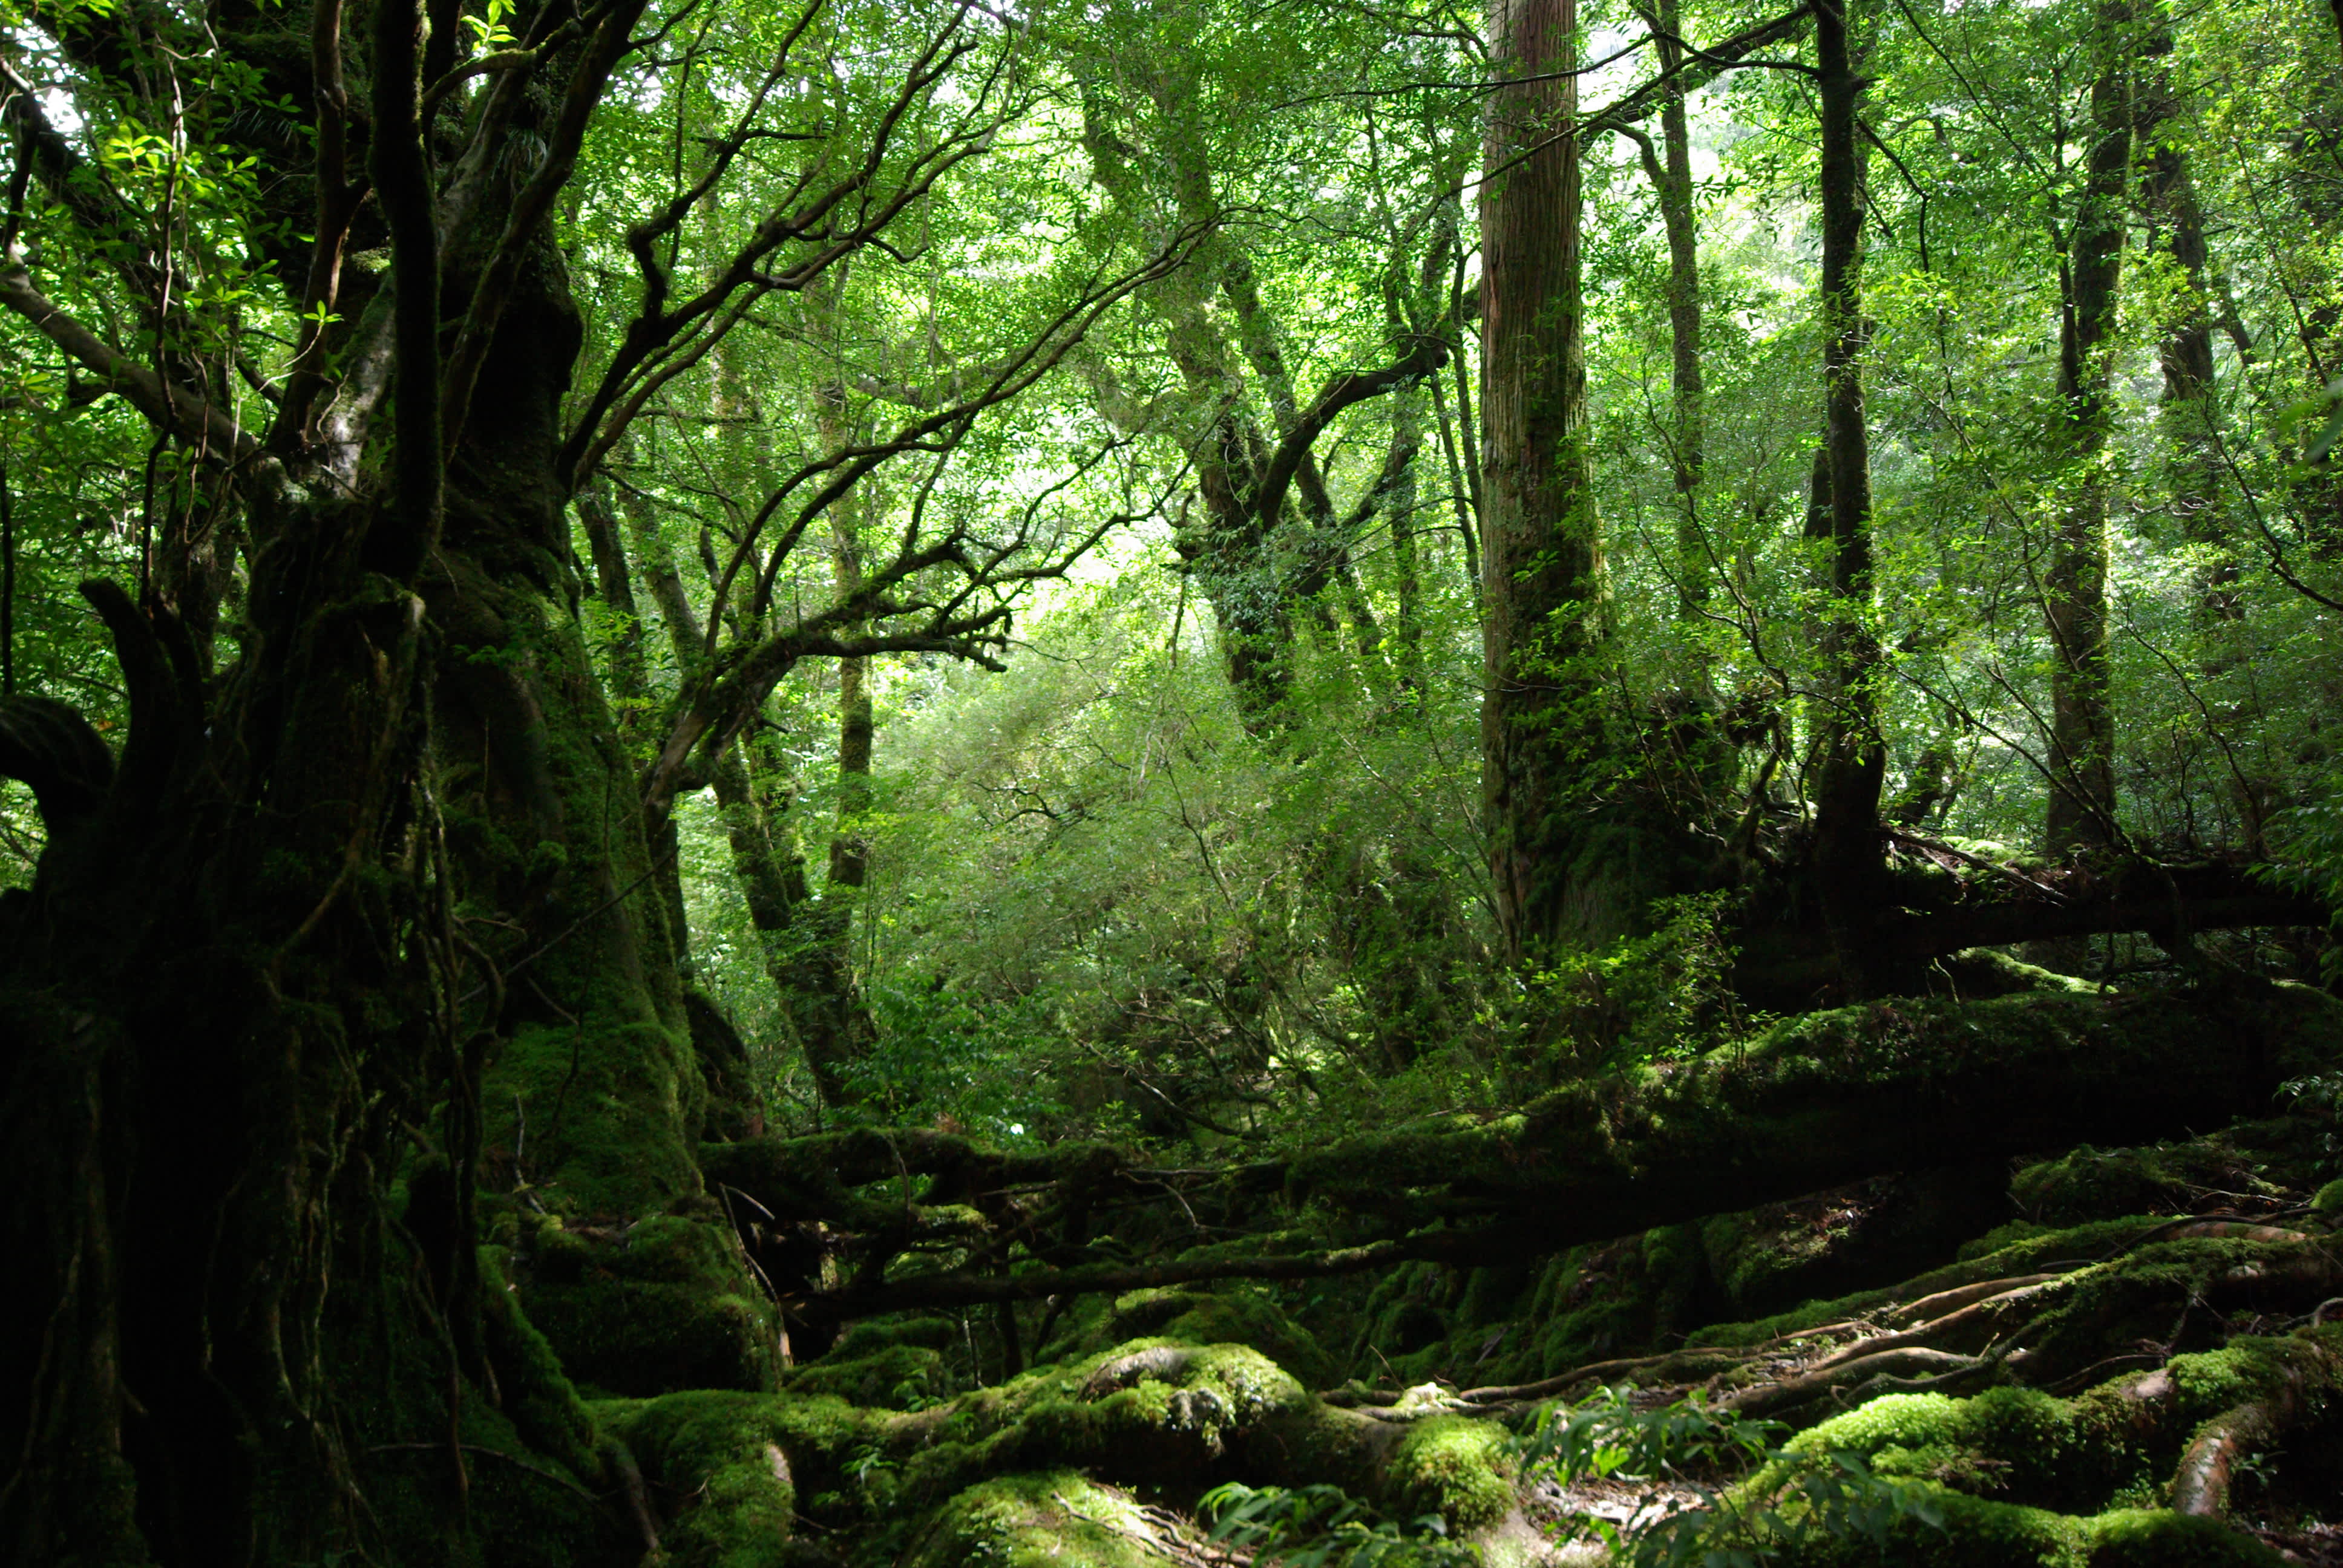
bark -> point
(301, 943)
(1848, 861)
(2189, 412)
(1399, 502)
(2081, 809)
(1670, 176)
(1541, 723)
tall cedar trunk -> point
(1850, 868)
(2081, 811)
(1541, 725)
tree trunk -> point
(1849, 858)
(1541, 723)
(2081, 812)
(1670, 176)
(2189, 414)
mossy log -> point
(1821, 1101)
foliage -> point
(1322, 1526)
(1696, 1453)
(1664, 995)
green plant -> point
(1659, 997)
(1754, 1501)
(1324, 1526)
(2319, 1097)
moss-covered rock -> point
(2112, 1446)
(1230, 1312)
(891, 1377)
(725, 1466)
(1456, 1466)
(1053, 1519)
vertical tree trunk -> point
(1670, 175)
(1540, 719)
(1848, 861)
(2081, 812)
(1399, 504)
(2189, 414)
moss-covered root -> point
(1152, 1413)
(2030, 1479)
(1978, 1533)
(717, 1470)
(1054, 1519)
(666, 1302)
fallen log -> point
(1817, 1102)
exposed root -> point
(2207, 1471)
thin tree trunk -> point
(1400, 501)
(1671, 175)
(2081, 812)
(1849, 864)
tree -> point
(782, 819)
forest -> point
(1171, 783)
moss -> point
(1157, 1408)
(2160, 1538)
(1232, 1312)
(602, 1114)
(1461, 1468)
(730, 1466)
(1978, 1533)
(538, 1395)
(662, 1304)
(1054, 1519)
(891, 1377)
(2087, 1183)
(2020, 1250)
(875, 1334)
(2326, 1205)
(2112, 1444)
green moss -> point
(1155, 1408)
(1232, 1312)
(892, 1377)
(602, 1113)
(1055, 1518)
(662, 1304)
(2087, 1183)
(724, 1462)
(2115, 1444)
(1460, 1467)
(538, 1395)
(875, 1334)
(2327, 1206)
(1980, 1533)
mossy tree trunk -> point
(1541, 736)
(1849, 857)
(2081, 811)
(369, 906)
